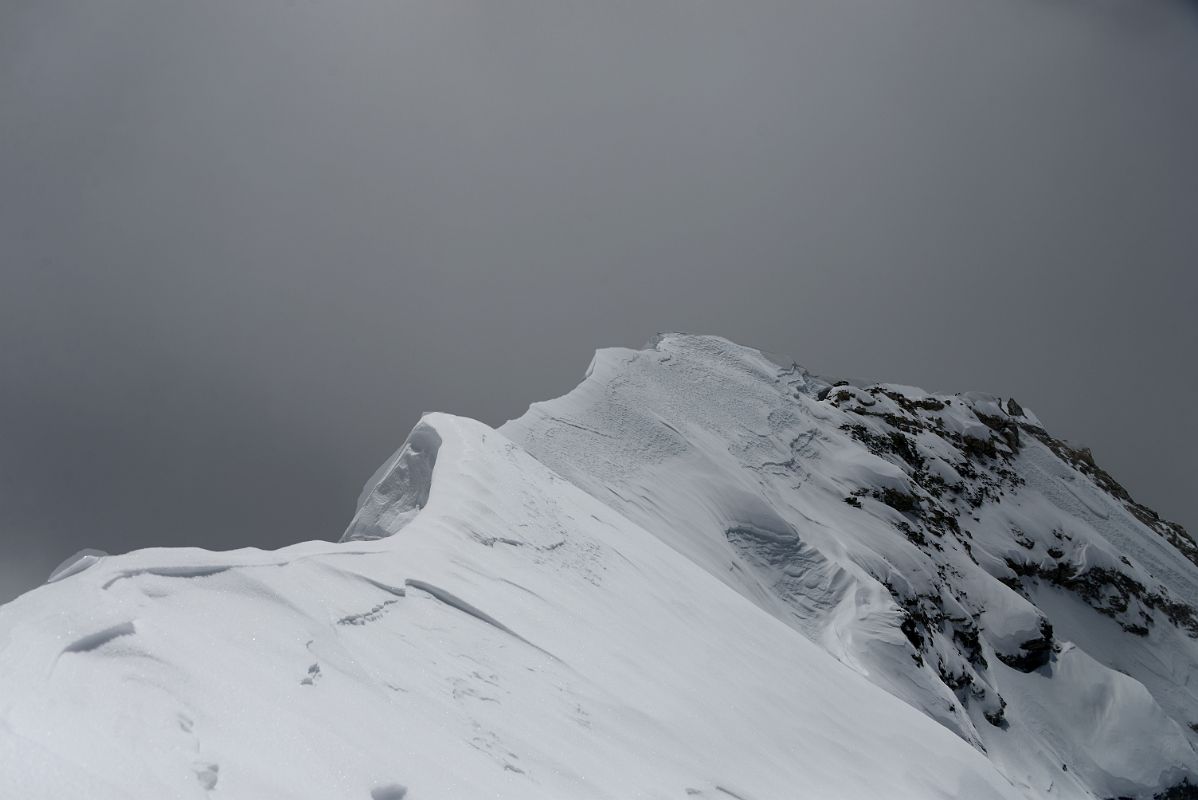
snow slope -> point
(701, 574)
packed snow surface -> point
(704, 573)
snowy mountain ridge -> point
(704, 572)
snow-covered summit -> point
(704, 572)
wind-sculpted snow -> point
(399, 489)
(701, 574)
(76, 563)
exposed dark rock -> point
(1182, 791)
(1035, 652)
(998, 717)
(1110, 592)
(899, 501)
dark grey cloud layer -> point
(244, 245)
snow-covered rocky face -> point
(702, 573)
(946, 547)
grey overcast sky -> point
(244, 244)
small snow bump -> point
(94, 641)
(389, 791)
(313, 675)
(207, 775)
